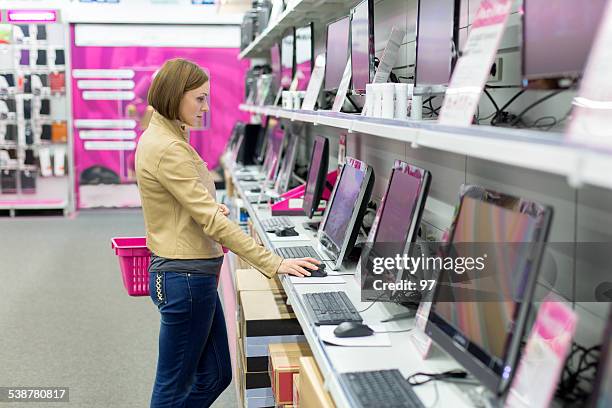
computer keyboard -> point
(298, 252)
(383, 388)
(274, 223)
(329, 308)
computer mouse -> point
(353, 329)
(318, 273)
(286, 232)
(255, 190)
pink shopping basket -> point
(134, 260)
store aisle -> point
(65, 319)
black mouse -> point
(319, 273)
(286, 232)
(255, 190)
(353, 329)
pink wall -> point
(227, 92)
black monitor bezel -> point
(287, 163)
(452, 340)
(327, 49)
(340, 252)
(320, 180)
(421, 89)
(371, 45)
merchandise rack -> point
(534, 150)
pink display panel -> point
(103, 154)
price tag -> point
(315, 83)
(343, 88)
(473, 68)
(590, 123)
(389, 57)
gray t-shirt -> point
(211, 266)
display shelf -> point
(533, 150)
(296, 14)
(333, 360)
(51, 194)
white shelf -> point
(297, 14)
(534, 150)
(51, 193)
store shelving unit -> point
(44, 129)
(534, 150)
(296, 13)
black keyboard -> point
(328, 308)
(271, 224)
(298, 252)
(383, 388)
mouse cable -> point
(372, 303)
(414, 379)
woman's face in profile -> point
(194, 104)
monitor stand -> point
(312, 226)
(475, 393)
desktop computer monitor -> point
(262, 142)
(276, 136)
(397, 221)
(271, 124)
(348, 202)
(601, 396)
(437, 41)
(304, 55)
(479, 316)
(287, 163)
(362, 46)
(317, 175)
(275, 64)
(557, 38)
(287, 57)
(336, 52)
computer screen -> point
(342, 221)
(287, 163)
(275, 63)
(336, 52)
(275, 146)
(602, 391)
(304, 55)
(437, 34)
(481, 333)
(262, 142)
(557, 37)
(317, 174)
(397, 220)
(287, 57)
(400, 212)
(362, 45)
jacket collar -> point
(176, 128)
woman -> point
(185, 231)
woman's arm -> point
(177, 172)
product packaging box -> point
(252, 279)
(59, 132)
(264, 318)
(312, 393)
(254, 388)
(296, 390)
(284, 362)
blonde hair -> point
(173, 79)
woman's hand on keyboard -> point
(298, 266)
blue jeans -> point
(194, 365)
